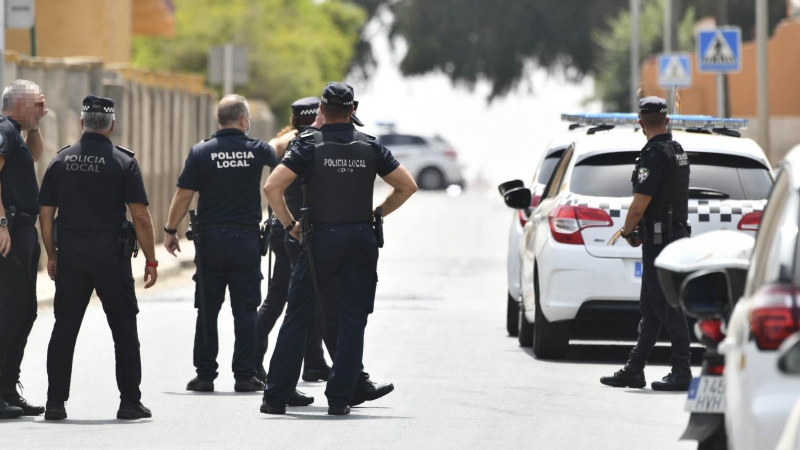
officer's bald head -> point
(232, 111)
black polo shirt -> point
(18, 177)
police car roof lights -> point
(678, 121)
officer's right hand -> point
(5, 241)
(52, 270)
(295, 233)
(171, 243)
(150, 276)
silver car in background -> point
(431, 160)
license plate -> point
(637, 270)
(706, 395)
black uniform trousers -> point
(17, 301)
(287, 253)
(86, 264)
(656, 312)
(348, 253)
(231, 259)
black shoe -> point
(338, 410)
(632, 375)
(261, 374)
(299, 399)
(252, 384)
(267, 408)
(9, 412)
(199, 385)
(129, 411)
(320, 374)
(679, 378)
(14, 399)
(55, 411)
(367, 391)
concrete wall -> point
(159, 116)
(784, 89)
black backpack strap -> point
(361, 137)
(318, 139)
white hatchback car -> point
(573, 282)
(431, 160)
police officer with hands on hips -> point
(226, 171)
(23, 107)
(88, 184)
(660, 212)
(339, 165)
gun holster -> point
(130, 245)
(377, 224)
(263, 238)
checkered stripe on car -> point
(613, 206)
(722, 211)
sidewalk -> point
(168, 266)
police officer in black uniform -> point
(89, 184)
(339, 165)
(226, 171)
(287, 252)
(23, 107)
(660, 203)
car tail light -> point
(750, 221)
(772, 318)
(535, 200)
(566, 222)
(714, 369)
(712, 329)
(450, 153)
(523, 215)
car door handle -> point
(539, 218)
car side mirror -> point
(509, 185)
(789, 359)
(518, 198)
(706, 294)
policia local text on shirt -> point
(660, 197)
(339, 165)
(23, 107)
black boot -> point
(13, 398)
(632, 375)
(252, 384)
(55, 411)
(367, 390)
(198, 385)
(299, 399)
(320, 374)
(679, 378)
(9, 412)
(133, 410)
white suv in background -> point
(431, 160)
(575, 282)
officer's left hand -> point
(295, 233)
(51, 269)
(41, 110)
(171, 243)
(150, 276)
(634, 242)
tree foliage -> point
(295, 46)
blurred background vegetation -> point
(296, 46)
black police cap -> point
(95, 104)
(341, 95)
(652, 105)
(305, 106)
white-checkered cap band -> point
(308, 112)
(350, 103)
(106, 109)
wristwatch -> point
(169, 231)
(291, 226)
(3, 222)
(623, 235)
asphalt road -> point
(437, 333)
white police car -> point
(575, 281)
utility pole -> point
(227, 69)
(723, 106)
(2, 45)
(635, 5)
(762, 76)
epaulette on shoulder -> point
(64, 148)
(125, 150)
(307, 134)
(370, 137)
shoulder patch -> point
(64, 148)
(125, 150)
(306, 135)
(644, 172)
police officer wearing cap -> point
(339, 166)
(226, 171)
(660, 212)
(23, 107)
(88, 184)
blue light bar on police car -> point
(677, 121)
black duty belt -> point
(20, 218)
(207, 226)
(86, 232)
(336, 224)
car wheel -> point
(525, 328)
(512, 316)
(431, 179)
(550, 339)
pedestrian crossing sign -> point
(674, 70)
(719, 50)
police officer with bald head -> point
(339, 165)
(659, 214)
(89, 184)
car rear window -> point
(394, 140)
(609, 175)
(548, 166)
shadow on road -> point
(325, 416)
(93, 422)
(616, 354)
(217, 393)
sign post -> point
(228, 66)
(674, 71)
(719, 51)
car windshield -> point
(548, 166)
(737, 177)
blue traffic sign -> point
(719, 50)
(675, 70)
